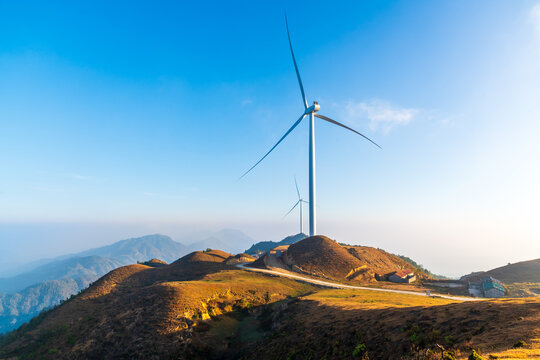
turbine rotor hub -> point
(313, 108)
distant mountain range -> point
(81, 269)
(46, 282)
(264, 246)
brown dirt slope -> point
(323, 257)
(239, 258)
(217, 256)
(320, 256)
(380, 261)
(520, 272)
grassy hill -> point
(521, 279)
(201, 308)
(520, 272)
(50, 281)
(144, 310)
(322, 257)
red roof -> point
(404, 273)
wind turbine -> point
(299, 202)
(310, 111)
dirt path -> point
(288, 274)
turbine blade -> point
(298, 191)
(280, 140)
(295, 65)
(295, 205)
(346, 127)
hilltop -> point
(524, 271)
(520, 279)
(200, 307)
(322, 257)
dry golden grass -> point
(365, 299)
(201, 308)
(492, 326)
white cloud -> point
(535, 17)
(381, 114)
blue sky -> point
(142, 114)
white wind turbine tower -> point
(310, 111)
(301, 203)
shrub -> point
(519, 344)
(360, 349)
(474, 356)
(207, 250)
(447, 355)
(449, 339)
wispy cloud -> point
(247, 102)
(535, 17)
(381, 114)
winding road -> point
(342, 286)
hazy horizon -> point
(43, 241)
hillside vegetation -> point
(50, 281)
(199, 307)
(520, 272)
(145, 310)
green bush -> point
(474, 356)
(359, 350)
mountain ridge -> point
(24, 295)
(264, 246)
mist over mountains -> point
(44, 283)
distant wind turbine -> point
(299, 202)
(312, 112)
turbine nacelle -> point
(313, 108)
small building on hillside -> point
(403, 276)
(475, 289)
(493, 288)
